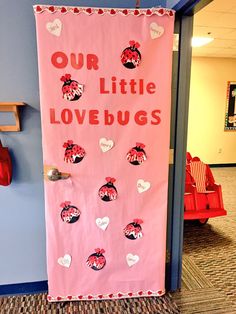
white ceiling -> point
(219, 19)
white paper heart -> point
(102, 223)
(143, 186)
(132, 259)
(156, 30)
(64, 261)
(105, 144)
(54, 27)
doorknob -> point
(53, 174)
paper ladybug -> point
(137, 155)
(73, 153)
(133, 230)
(96, 260)
(108, 192)
(71, 89)
(131, 57)
(69, 213)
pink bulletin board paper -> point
(102, 120)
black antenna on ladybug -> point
(137, 6)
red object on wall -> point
(5, 166)
(202, 197)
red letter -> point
(66, 116)
(113, 85)
(132, 84)
(155, 115)
(92, 62)
(122, 86)
(141, 87)
(151, 86)
(126, 117)
(80, 117)
(108, 118)
(93, 116)
(64, 60)
(80, 62)
(102, 85)
(141, 117)
(52, 117)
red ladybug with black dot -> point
(131, 56)
(73, 152)
(69, 213)
(97, 260)
(133, 230)
(71, 89)
(108, 191)
(136, 155)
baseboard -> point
(24, 288)
(222, 165)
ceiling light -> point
(201, 41)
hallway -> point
(209, 261)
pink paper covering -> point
(134, 113)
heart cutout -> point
(51, 8)
(105, 144)
(156, 30)
(38, 8)
(132, 259)
(54, 27)
(143, 186)
(102, 223)
(64, 261)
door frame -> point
(178, 141)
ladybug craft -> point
(71, 89)
(69, 213)
(131, 57)
(97, 260)
(137, 155)
(73, 153)
(108, 192)
(133, 230)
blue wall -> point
(22, 227)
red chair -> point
(202, 197)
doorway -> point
(209, 250)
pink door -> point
(105, 104)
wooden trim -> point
(14, 108)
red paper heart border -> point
(101, 11)
(119, 295)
